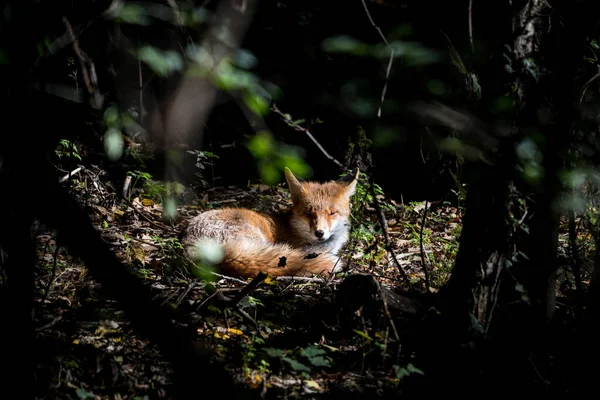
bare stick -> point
(185, 292)
(576, 264)
(471, 26)
(389, 66)
(423, 263)
(249, 288)
(386, 235)
(301, 278)
(67, 176)
(52, 276)
(89, 74)
(387, 310)
(49, 324)
(299, 128)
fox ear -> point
(296, 189)
(350, 188)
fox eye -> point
(333, 212)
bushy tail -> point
(247, 259)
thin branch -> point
(588, 83)
(390, 61)
(249, 288)
(301, 278)
(471, 26)
(387, 310)
(89, 74)
(53, 275)
(386, 235)
(576, 267)
(423, 255)
(299, 128)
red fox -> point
(301, 241)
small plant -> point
(402, 372)
(67, 149)
(137, 176)
(301, 361)
(160, 191)
(204, 159)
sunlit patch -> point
(209, 251)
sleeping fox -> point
(301, 241)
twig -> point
(169, 297)
(588, 83)
(144, 216)
(423, 263)
(206, 300)
(49, 324)
(301, 278)
(249, 288)
(386, 235)
(185, 292)
(51, 280)
(471, 26)
(299, 128)
(576, 263)
(229, 278)
(386, 310)
(389, 66)
(246, 316)
(89, 75)
(64, 178)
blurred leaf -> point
(276, 353)
(111, 117)
(312, 351)
(297, 366)
(527, 149)
(245, 59)
(532, 172)
(256, 103)
(113, 144)
(260, 145)
(571, 202)
(131, 14)
(345, 44)
(3, 57)
(170, 207)
(163, 63)
(574, 178)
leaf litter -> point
(88, 348)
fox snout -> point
(321, 228)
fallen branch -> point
(249, 288)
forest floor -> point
(285, 339)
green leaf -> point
(312, 351)
(256, 103)
(275, 353)
(296, 365)
(363, 334)
(319, 361)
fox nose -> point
(319, 234)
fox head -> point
(320, 210)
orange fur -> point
(309, 235)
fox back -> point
(303, 240)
